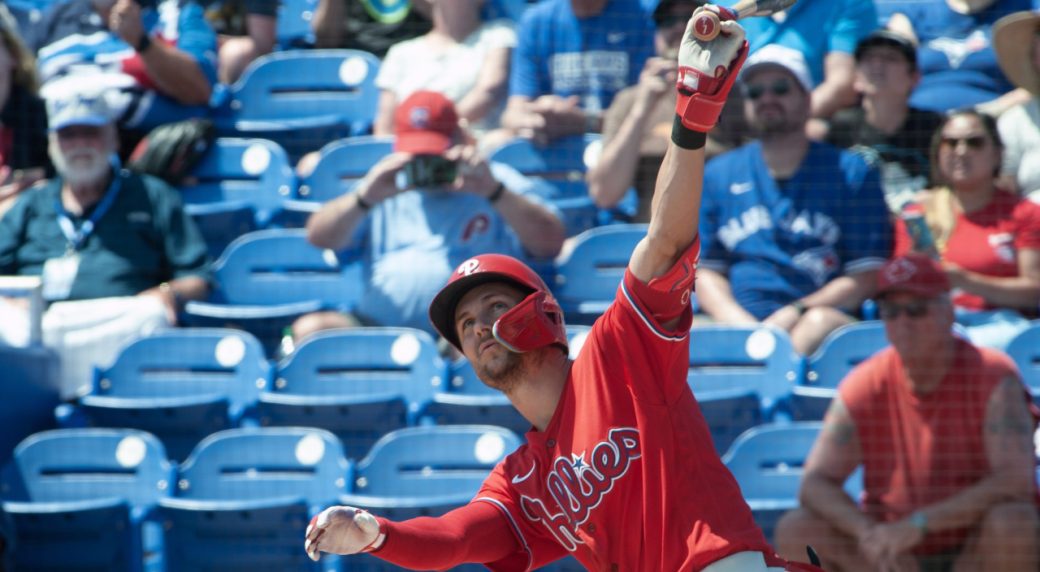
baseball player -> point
(619, 469)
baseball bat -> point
(706, 23)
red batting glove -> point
(707, 71)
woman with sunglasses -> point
(986, 236)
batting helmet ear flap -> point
(535, 322)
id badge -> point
(58, 276)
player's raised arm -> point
(707, 71)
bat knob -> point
(706, 26)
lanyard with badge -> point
(60, 273)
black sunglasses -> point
(890, 311)
(973, 142)
(756, 90)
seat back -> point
(67, 465)
(1024, 349)
(185, 362)
(767, 461)
(265, 463)
(341, 164)
(432, 461)
(844, 349)
(588, 278)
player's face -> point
(475, 316)
(916, 326)
(968, 157)
(775, 103)
(883, 69)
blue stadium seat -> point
(840, 352)
(267, 279)
(359, 383)
(303, 98)
(587, 279)
(179, 384)
(341, 164)
(293, 29)
(244, 498)
(76, 499)
(741, 376)
(239, 186)
(28, 394)
(1024, 349)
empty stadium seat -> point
(239, 186)
(28, 394)
(587, 279)
(359, 383)
(76, 499)
(267, 279)
(841, 351)
(303, 98)
(741, 376)
(244, 497)
(1025, 350)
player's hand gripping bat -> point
(706, 23)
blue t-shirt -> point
(71, 41)
(593, 58)
(815, 28)
(411, 243)
(782, 241)
(958, 64)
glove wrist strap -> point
(701, 97)
(687, 138)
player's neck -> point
(538, 395)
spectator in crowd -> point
(369, 25)
(1016, 39)
(464, 57)
(883, 127)
(158, 62)
(955, 55)
(23, 119)
(944, 432)
(571, 58)
(115, 250)
(247, 30)
(638, 124)
(826, 33)
(792, 231)
(412, 235)
(987, 237)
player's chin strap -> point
(528, 325)
(702, 97)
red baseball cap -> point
(425, 124)
(913, 273)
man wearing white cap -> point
(115, 250)
(792, 231)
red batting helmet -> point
(535, 322)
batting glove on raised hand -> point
(707, 70)
(342, 530)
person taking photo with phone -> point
(423, 209)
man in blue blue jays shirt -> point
(792, 231)
(157, 62)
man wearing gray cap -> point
(115, 250)
(792, 231)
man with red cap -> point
(422, 210)
(944, 431)
(619, 469)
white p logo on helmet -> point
(468, 267)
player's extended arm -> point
(707, 71)
(477, 532)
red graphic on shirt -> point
(577, 487)
(476, 225)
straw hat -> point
(1013, 41)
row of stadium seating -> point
(107, 499)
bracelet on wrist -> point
(361, 203)
(143, 44)
(685, 137)
(496, 194)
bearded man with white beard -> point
(115, 250)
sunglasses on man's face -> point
(973, 142)
(779, 87)
(915, 309)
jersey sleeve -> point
(856, 21)
(196, 38)
(866, 228)
(524, 69)
(1027, 232)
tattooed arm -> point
(834, 457)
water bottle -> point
(916, 226)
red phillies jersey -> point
(625, 476)
(987, 241)
(921, 449)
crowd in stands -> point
(869, 140)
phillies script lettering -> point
(578, 487)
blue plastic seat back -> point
(588, 278)
(468, 401)
(767, 460)
(279, 266)
(265, 463)
(234, 171)
(341, 165)
(67, 465)
(432, 461)
(839, 354)
(1024, 349)
(28, 393)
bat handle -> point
(706, 26)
